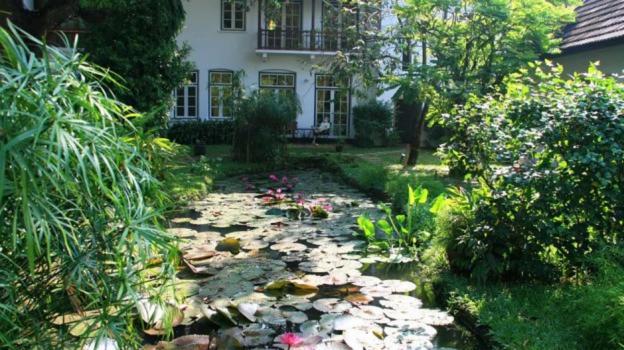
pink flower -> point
(274, 178)
(284, 180)
(328, 207)
(290, 339)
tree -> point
(439, 52)
(135, 39)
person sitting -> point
(322, 129)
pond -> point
(275, 254)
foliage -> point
(212, 132)
(560, 194)
(150, 61)
(186, 177)
(411, 231)
(397, 183)
(78, 202)
(372, 122)
(260, 123)
(439, 52)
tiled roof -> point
(597, 21)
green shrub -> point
(562, 193)
(372, 122)
(79, 207)
(260, 124)
(211, 132)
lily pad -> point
(365, 281)
(428, 316)
(251, 335)
(376, 291)
(400, 302)
(368, 312)
(359, 298)
(399, 286)
(362, 340)
(229, 244)
(292, 287)
(288, 247)
(248, 310)
(331, 305)
(254, 244)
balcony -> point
(327, 42)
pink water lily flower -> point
(290, 339)
(274, 178)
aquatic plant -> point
(411, 231)
(290, 339)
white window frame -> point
(278, 87)
(232, 6)
(220, 87)
(193, 83)
(327, 83)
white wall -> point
(611, 60)
(212, 48)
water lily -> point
(290, 339)
(273, 178)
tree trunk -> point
(413, 148)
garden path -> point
(263, 260)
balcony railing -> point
(302, 40)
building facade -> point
(266, 44)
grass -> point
(588, 315)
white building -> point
(282, 46)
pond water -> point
(253, 272)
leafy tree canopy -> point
(135, 39)
(439, 52)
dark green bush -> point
(372, 122)
(260, 125)
(561, 194)
(211, 132)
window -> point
(332, 103)
(233, 15)
(278, 82)
(186, 98)
(220, 94)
